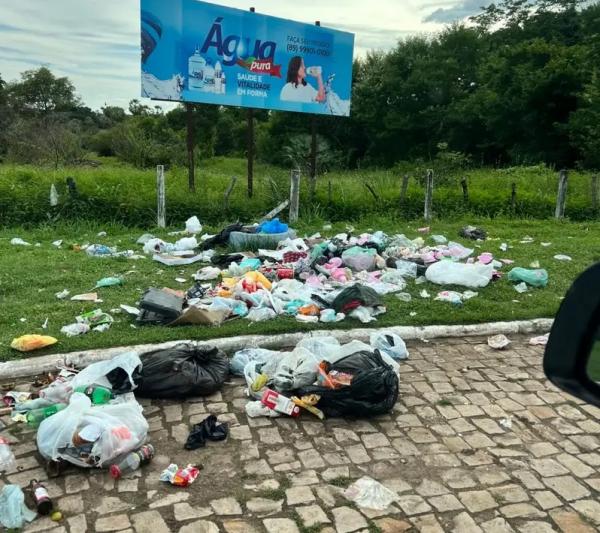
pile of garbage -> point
(91, 418)
(316, 279)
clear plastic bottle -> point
(196, 65)
(35, 417)
(132, 461)
(7, 458)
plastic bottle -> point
(7, 458)
(98, 395)
(42, 499)
(223, 83)
(196, 64)
(218, 74)
(132, 461)
(35, 417)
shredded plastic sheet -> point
(369, 493)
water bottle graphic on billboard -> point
(193, 51)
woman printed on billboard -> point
(297, 89)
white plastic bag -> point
(115, 429)
(359, 259)
(366, 492)
(60, 390)
(389, 344)
(192, 225)
(261, 314)
(407, 269)
(468, 275)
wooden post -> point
(428, 195)
(561, 198)
(329, 193)
(465, 188)
(250, 146)
(312, 183)
(595, 193)
(189, 112)
(513, 198)
(275, 211)
(228, 192)
(160, 194)
(404, 189)
(294, 196)
(313, 158)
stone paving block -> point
(477, 500)
(445, 503)
(464, 523)
(312, 515)
(570, 522)
(264, 506)
(347, 520)
(226, 506)
(239, 526)
(509, 494)
(299, 495)
(590, 509)
(112, 523)
(521, 510)
(149, 522)
(567, 487)
(413, 504)
(497, 525)
(78, 523)
(184, 511)
(201, 526)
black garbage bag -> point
(182, 371)
(471, 232)
(221, 238)
(208, 429)
(355, 296)
(373, 390)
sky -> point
(96, 43)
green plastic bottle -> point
(36, 416)
(98, 395)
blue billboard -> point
(199, 52)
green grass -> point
(30, 276)
(115, 192)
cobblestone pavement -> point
(446, 449)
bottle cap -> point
(115, 471)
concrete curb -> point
(48, 363)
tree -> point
(584, 125)
(40, 92)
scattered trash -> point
(53, 196)
(75, 329)
(192, 225)
(17, 241)
(546, 244)
(539, 341)
(561, 257)
(424, 294)
(7, 458)
(535, 278)
(403, 296)
(451, 273)
(180, 477)
(182, 371)
(208, 429)
(534, 264)
(57, 243)
(527, 240)
(62, 294)
(498, 342)
(390, 344)
(130, 309)
(42, 500)
(506, 423)
(101, 234)
(108, 282)
(368, 493)
(13, 511)
(87, 297)
(132, 461)
(424, 230)
(521, 287)
(504, 247)
(56, 516)
(453, 297)
(45, 324)
(439, 239)
(28, 343)
(471, 232)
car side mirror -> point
(572, 356)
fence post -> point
(403, 189)
(513, 198)
(294, 196)
(465, 189)
(561, 198)
(595, 192)
(228, 192)
(160, 194)
(190, 142)
(428, 195)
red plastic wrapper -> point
(180, 477)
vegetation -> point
(30, 276)
(518, 84)
(116, 192)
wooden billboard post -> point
(189, 112)
(250, 145)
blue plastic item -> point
(273, 226)
(251, 263)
